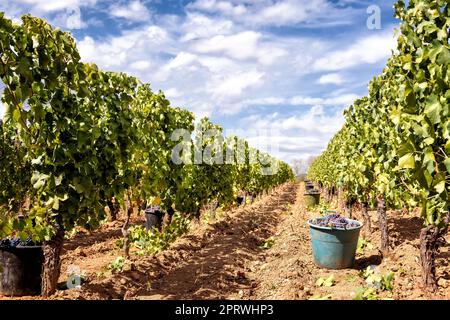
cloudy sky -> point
(278, 72)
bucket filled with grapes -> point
(20, 267)
(153, 216)
(334, 239)
(312, 198)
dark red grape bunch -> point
(153, 209)
(16, 242)
(335, 221)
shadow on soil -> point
(364, 262)
(407, 228)
(217, 270)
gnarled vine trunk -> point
(327, 194)
(167, 218)
(339, 198)
(125, 229)
(52, 263)
(430, 241)
(366, 218)
(113, 210)
(141, 205)
(349, 209)
(382, 219)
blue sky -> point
(277, 72)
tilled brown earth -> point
(220, 268)
(288, 270)
(225, 259)
(210, 262)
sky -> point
(276, 72)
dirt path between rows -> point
(212, 261)
(224, 259)
(220, 269)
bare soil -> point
(225, 258)
(288, 271)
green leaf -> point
(406, 148)
(37, 161)
(429, 156)
(59, 179)
(16, 115)
(24, 68)
(366, 294)
(440, 187)
(39, 184)
(328, 282)
(407, 161)
(23, 235)
(55, 204)
(428, 141)
(318, 297)
(447, 164)
(36, 87)
(433, 109)
(444, 56)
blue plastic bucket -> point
(312, 199)
(334, 248)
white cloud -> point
(317, 13)
(70, 18)
(289, 137)
(315, 120)
(64, 13)
(339, 100)
(331, 78)
(241, 46)
(74, 21)
(198, 26)
(134, 11)
(217, 65)
(56, 5)
(119, 53)
(199, 108)
(344, 99)
(283, 145)
(182, 59)
(224, 7)
(140, 65)
(173, 93)
(367, 50)
(235, 84)
(290, 12)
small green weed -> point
(268, 243)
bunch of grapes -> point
(335, 221)
(4, 243)
(27, 243)
(153, 209)
(156, 210)
(16, 242)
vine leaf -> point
(433, 109)
(407, 161)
